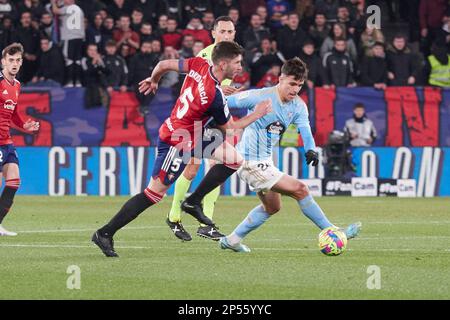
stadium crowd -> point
(122, 40)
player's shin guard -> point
(254, 220)
(7, 197)
(312, 210)
(130, 211)
(217, 175)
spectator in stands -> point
(33, 6)
(72, 38)
(124, 52)
(119, 8)
(329, 8)
(208, 20)
(46, 26)
(94, 78)
(94, 32)
(402, 64)
(360, 129)
(437, 66)
(343, 17)
(339, 32)
(431, 13)
(146, 32)
(151, 8)
(254, 34)
(270, 78)
(156, 48)
(233, 13)
(443, 35)
(309, 56)
(186, 46)
(291, 37)
(92, 7)
(107, 29)
(320, 30)
(6, 32)
(368, 38)
(276, 9)
(247, 8)
(116, 69)
(124, 35)
(141, 65)
(196, 7)
(374, 68)
(170, 78)
(172, 38)
(195, 28)
(338, 67)
(242, 80)
(29, 38)
(224, 6)
(162, 25)
(262, 12)
(197, 47)
(7, 9)
(137, 18)
(263, 60)
(51, 65)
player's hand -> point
(312, 157)
(31, 125)
(229, 90)
(148, 86)
(263, 108)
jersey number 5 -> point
(185, 99)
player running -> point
(12, 58)
(223, 30)
(258, 169)
(181, 135)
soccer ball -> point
(332, 241)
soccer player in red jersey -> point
(9, 95)
(181, 136)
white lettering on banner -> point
(429, 172)
(318, 171)
(406, 188)
(238, 187)
(136, 169)
(337, 185)
(291, 160)
(314, 186)
(402, 169)
(364, 187)
(369, 164)
(107, 172)
(56, 185)
(81, 153)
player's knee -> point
(236, 164)
(272, 208)
(301, 190)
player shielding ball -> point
(181, 134)
(12, 58)
(256, 147)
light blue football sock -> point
(312, 210)
(254, 219)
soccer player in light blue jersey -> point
(256, 147)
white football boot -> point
(4, 232)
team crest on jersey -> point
(276, 128)
(9, 104)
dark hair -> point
(12, 49)
(110, 43)
(358, 105)
(225, 50)
(378, 43)
(295, 67)
(221, 18)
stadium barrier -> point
(110, 171)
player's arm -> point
(55, 9)
(28, 125)
(243, 100)
(150, 85)
(261, 109)
(302, 121)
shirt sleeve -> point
(245, 100)
(219, 109)
(17, 120)
(301, 120)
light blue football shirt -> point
(262, 135)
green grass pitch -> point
(408, 239)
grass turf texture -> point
(407, 238)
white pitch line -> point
(58, 246)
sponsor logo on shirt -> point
(276, 128)
(9, 104)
